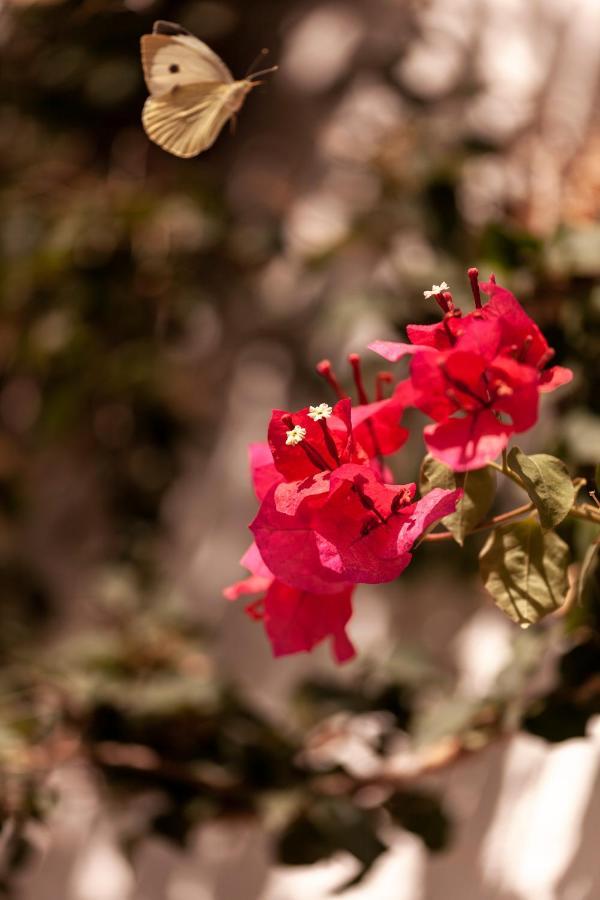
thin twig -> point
(508, 472)
(578, 511)
(491, 523)
(585, 511)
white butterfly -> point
(192, 92)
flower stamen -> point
(436, 289)
(322, 411)
(295, 435)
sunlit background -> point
(152, 313)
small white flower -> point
(297, 434)
(436, 289)
(322, 411)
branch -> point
(508, 473)
(491, 523)
(585, 511)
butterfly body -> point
(192, 92)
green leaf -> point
(548, 483)
(525, 570)
(479, 486)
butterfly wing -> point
(176, 60)
(189, 119)
(162, 27)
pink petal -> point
(553, 378)
(284, 533)
(253, 561)
(393, 350)
(437, 335)
(262, 468)
(254, 584)
(516, 324)
(377, 426)
(444, 382)
(405, 393)
(522, 402)
(372, 554)
(434, 506)
(258, 581)
(481, 336)
(296, 621)
(467, 443)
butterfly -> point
(192, 92)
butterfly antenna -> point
(250, 75)
(259, 57)
(262, 72)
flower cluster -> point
(329, 520)
(330, 517)
(478, 376)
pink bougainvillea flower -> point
(477, 404)
(479, 375)
(344, 527)
(328, 518)
(518, 335)
(295, 621)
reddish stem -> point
(491, 523)
(447, 298)
(354, 360)
(474, 279)
(329, 441)
(325, 370)
(381, 379)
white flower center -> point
(295, 435)
(436, 289)
(322, 411)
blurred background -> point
(152, 313)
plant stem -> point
(584, 511)
(491, 523)
(578, 511)
(508, 472)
